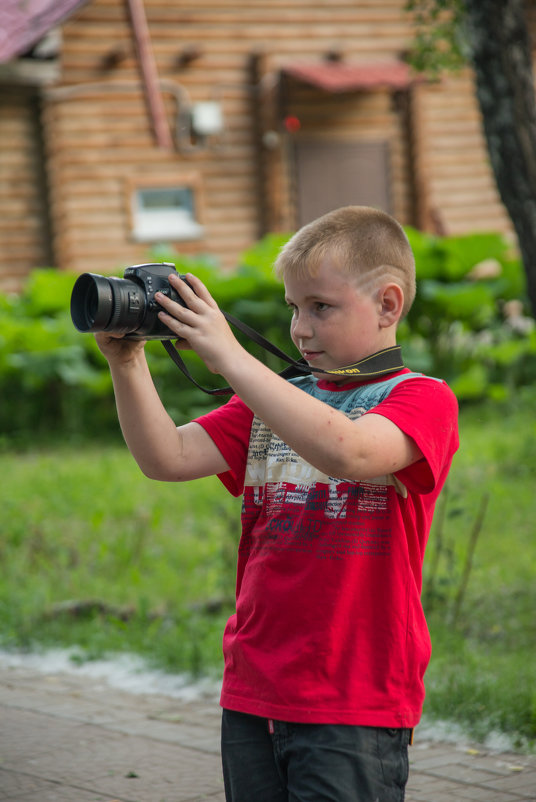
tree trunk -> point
(501, 58)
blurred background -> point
(204, 134)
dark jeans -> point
(265, 761)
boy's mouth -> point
(310, 356)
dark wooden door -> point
(332, 174)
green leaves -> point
(461, 326)
(440, 40)
(473, 303)
(467, 325)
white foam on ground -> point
(132, 674)
(450, 732)
(125, 672)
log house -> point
(203, 125)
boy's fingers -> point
(193, 289)
(177, 310)
(170, 316)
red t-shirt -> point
(329, 626)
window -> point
(165, 213)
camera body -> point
(124, 305)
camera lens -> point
(100, 303)
(91, 302)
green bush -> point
(54, 380)
(469, 323)
(50, 376)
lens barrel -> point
(101, 303)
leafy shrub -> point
(469, 323)
(50, 376)
(54, 379)
(467, 326)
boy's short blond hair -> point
(362, 241)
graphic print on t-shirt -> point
(290, 505)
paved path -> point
(67, 738)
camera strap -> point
(378, 364)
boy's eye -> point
(321, 307)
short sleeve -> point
(229, 427)
(427, 411)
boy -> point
(325, 655)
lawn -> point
(483, 669)
(95, 556)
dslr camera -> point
(124, 305)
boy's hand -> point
(116, 349)
(200, 325)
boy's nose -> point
(301, 328)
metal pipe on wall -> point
(149, 74)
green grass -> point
(84, 525)
(154, 565)
(483, 668)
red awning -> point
(24, 22)
(341, 76)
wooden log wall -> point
(461, 190)
(100, 143)
(23, 210)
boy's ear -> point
(391, 301)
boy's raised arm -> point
(162, 450)
(323, 436)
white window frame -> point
(165, 223)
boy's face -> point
(334, 323)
